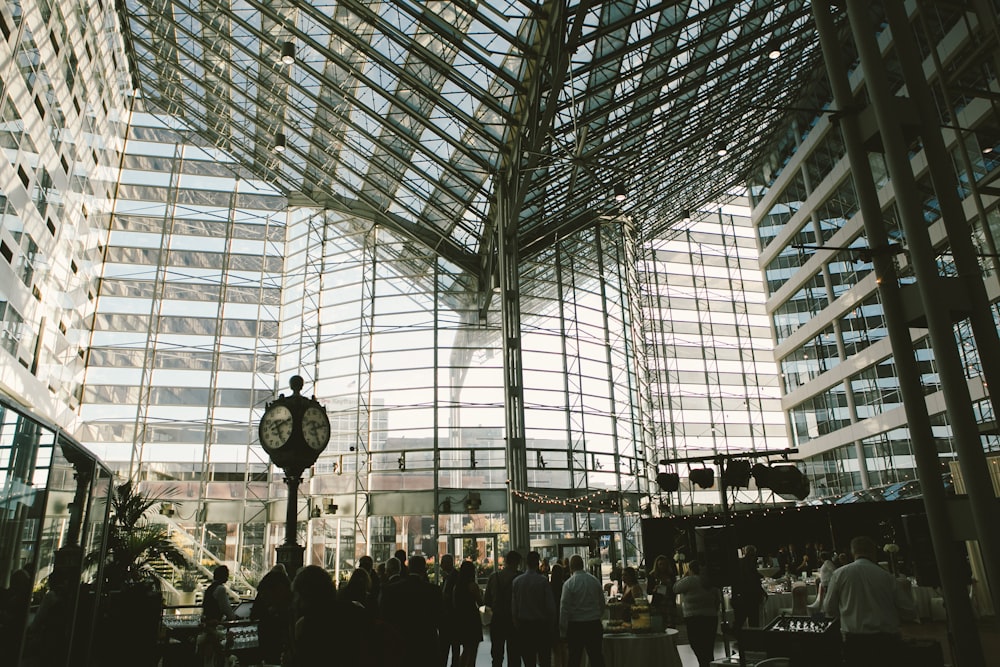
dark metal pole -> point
(958, 400)
(939, 166)
(290, 554)
(967, 647)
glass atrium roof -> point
(438, 118)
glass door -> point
(481, 549)
(552, 550)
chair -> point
(817, 604)
(800, 599)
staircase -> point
(193, 552)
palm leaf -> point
(134, 542)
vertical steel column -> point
(946, 188)
(363, 412)
(638, 407)
(967, 647)
(958, 400)
(513, 375)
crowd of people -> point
(395, 615)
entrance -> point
(552, 550)
(480, 548)
(599, 552)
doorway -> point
(480, 548)
(552, 550)
(599, 552)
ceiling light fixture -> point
(721, 148)
(279, 142)
(774, 49)
(620, 192)
(287, 53)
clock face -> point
(315, 427)
(275, 427)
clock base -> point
(291, 556)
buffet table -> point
(655, 649)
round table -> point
(655, 649)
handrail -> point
(175, 530)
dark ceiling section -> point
(405, 112)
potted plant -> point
(132, 602)
(186, 586)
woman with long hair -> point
(660, 584)
(700, 601)
(314, 602)
(467, 599)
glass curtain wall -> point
(836, 365)
(54, 500)
(183, 353)
(713, 381)
(60, 129)
(413, 381)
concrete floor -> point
(684, 650)
(989, 631)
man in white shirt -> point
(870, 607)
(580, 610)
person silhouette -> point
(272, 611)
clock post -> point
(293, 431)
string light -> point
(611, 503)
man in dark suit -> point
(499, 598)
(449, 639)
(413, 606)
(748, 590)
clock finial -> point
(296, 383)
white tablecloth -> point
(922, 600)
(655, 649)
(773, 605)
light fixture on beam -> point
(774, 49)
(668, 481)
(331, 507)
(620, 192)
(721, 149)
(280, 143)
(736, 474)
(784, 480)
(702, 477)
(287, 53)
(473, 501)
